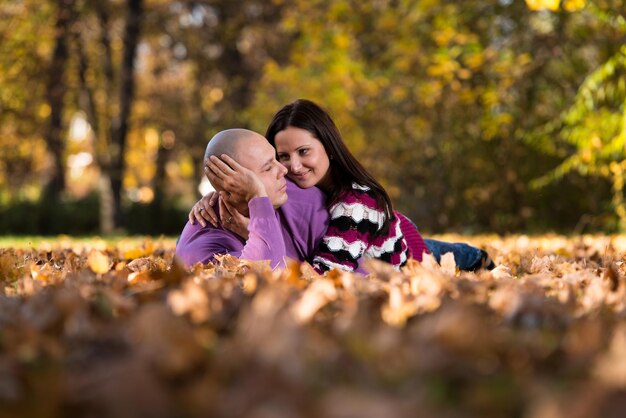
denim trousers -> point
(465, 256)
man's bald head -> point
(228, 141)
(253, 152)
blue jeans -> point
(467, 258)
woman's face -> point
(304, 157)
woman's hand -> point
(203, 211)
(227, 174)
(232, 219)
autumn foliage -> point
(475, 115)
(124, 331)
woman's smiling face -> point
(304, 157)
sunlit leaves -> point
(26, 36)
(596, 127)
(467, 99)
(543, 4)
(553, 5)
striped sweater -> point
(353, 232)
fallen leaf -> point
(98, 262)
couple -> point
(346, 218)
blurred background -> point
(476, 115)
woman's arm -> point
(353, 225)
(414, 240)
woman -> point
(362, 219)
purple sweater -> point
(294, 230)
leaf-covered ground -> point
(92, 329)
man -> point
(285, 221)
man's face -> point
(257, 155)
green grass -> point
(36, 241)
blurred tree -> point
(593, 129)
(27, 47)
(56, 89)
(108, 113)
(203, 69)
(197, 70)
(449, 93)
(456, 107)
(96, 81)
(119, 125)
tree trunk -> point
(119, 125)
(107, 211)
(55, 96)
(101, 139)
(107, 225)
(199, 123)
(163, 156)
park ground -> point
(115, 327)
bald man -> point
(285, 221)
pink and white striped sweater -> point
(353, 232)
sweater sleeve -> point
(414, 239)
(265, 241)
(352, 227)
(199, 244)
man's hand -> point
(239, 182)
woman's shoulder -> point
(358, 194)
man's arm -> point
(201, 245)
(265, 241)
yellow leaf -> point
(543, 4)
(573, 5)
(134, 253)
(44, 111)
(98, 262)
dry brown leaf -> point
(250, 283)
(429, 262)
(501, 272)
(143, 264)
(610, 368)
(542, 333)
(448, 265)
(541, 264)
(293, 275)
(98, 262)
(399, 307)
(316, 296)
(139, 276)
(190, 299)
(165, 341)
